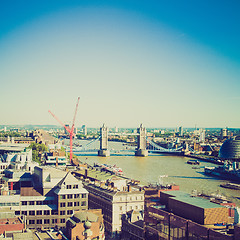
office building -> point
(47, 197)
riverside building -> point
(178, 215)
(113, 195)
(114, 203)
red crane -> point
(69, 130)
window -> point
(31, 221)
(39, 212)
(69, 196)
(62, 220)
(62, 212)
(76, 204)
(76, 195)
(24, 202)
(31, 202)
(54, 212)
(17, 212)
(69, 186)
(136, 207)
(120, 208)
(70, 204)
(39, 221)
(84, 195)
(62, 204)
(39, 202)
(24, 212)
(75, 186)
(69, 212)
(46, 221)
(83, 203)
(62, 197)
(53, 220)
(46, 212)
(31, 213)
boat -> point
(233, 186)
(109, 168)
(193, 162)
(229, 171)
(196, 167)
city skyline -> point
(156, 63)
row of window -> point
(9, 204)
(131, 208)
(132, 198)
(72, 186)
(70, 196)
(69, 212)
(38, 213)
(46, 221)
(71, 204)
(45, 202)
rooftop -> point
(13, 147)
(192, 200)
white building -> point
(114, 202)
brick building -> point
(86, 224)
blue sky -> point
(160, 63)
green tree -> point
(36, 149)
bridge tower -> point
(141, 150)
(104, 152)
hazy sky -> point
(160, 63)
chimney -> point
(56, 161)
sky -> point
(160, 63)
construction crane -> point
(69, 130)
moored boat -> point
(231, 186)
(193, 162)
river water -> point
(148, 169)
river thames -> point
(148, 169)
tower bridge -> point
(144, 144)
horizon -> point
(155, 62)
(112, 127)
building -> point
(113, 202)
(202, 136)
(86, 224)
(50, 197)
(84, 129)
(178, 215)
(230, 149)
(180, 131)
(133, 226)
(65, 130)
(196, 209)
(224, 133)
(55, 158)
(41, 136)
(9, 222)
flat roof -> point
(13, 147)
(192, 200)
